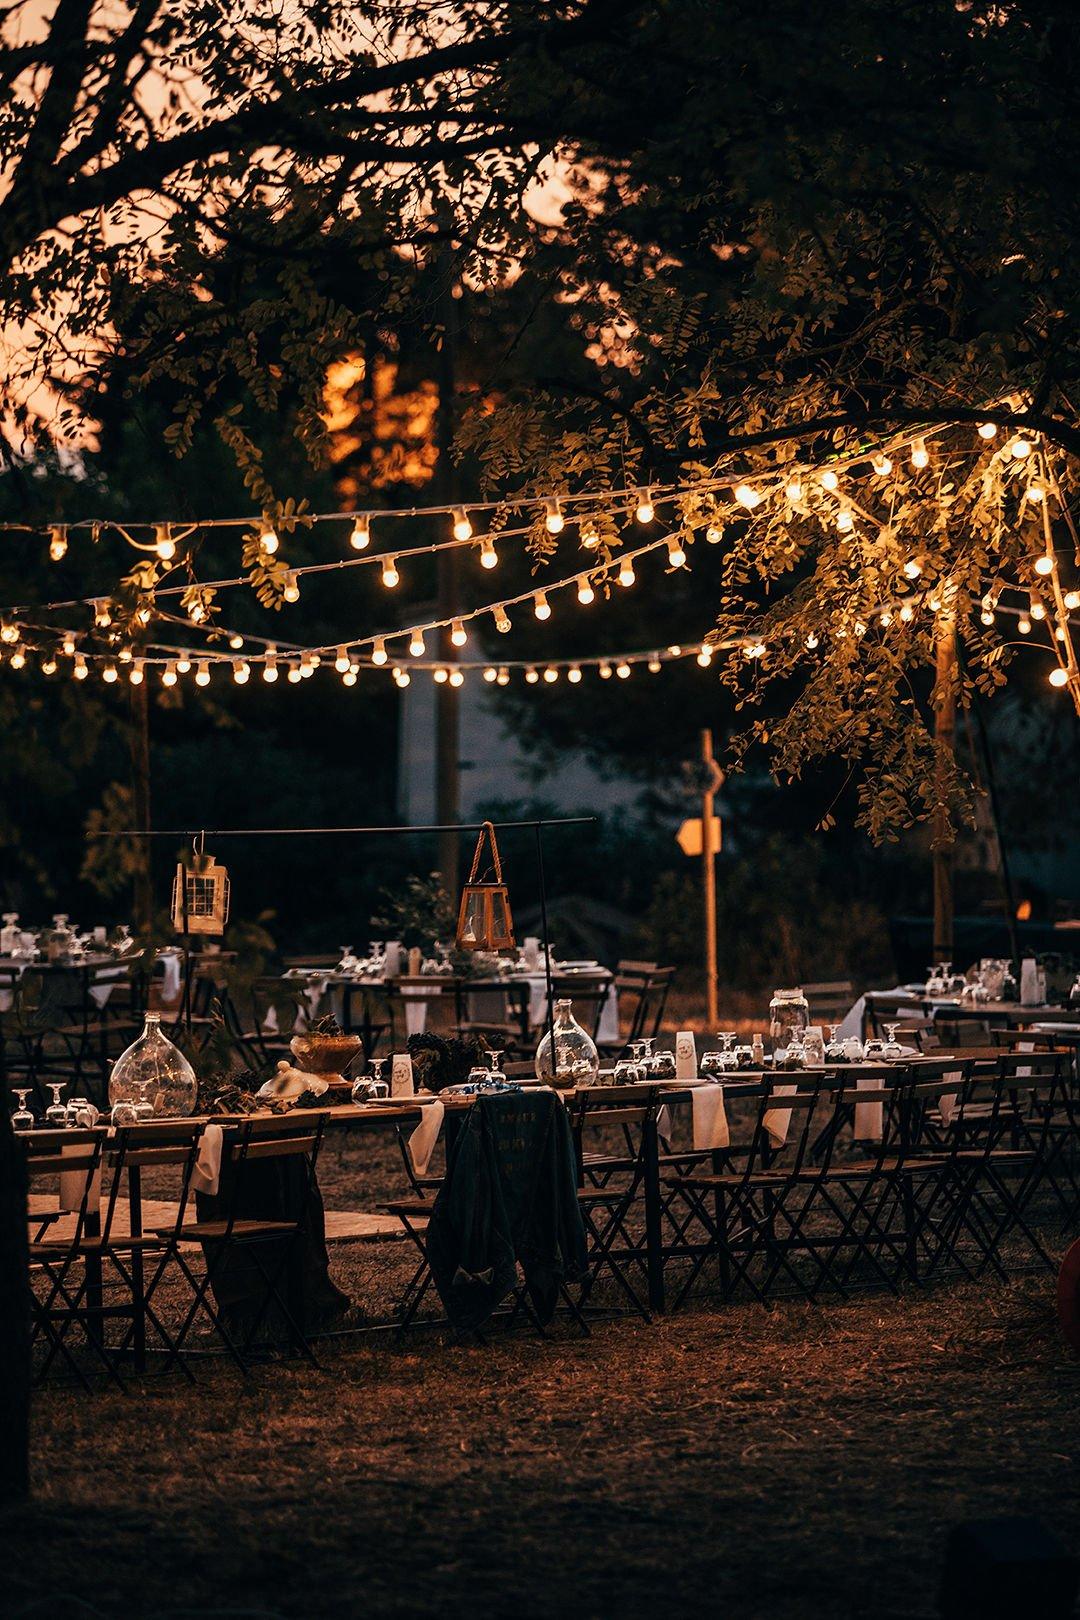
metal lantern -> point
(200, 895)
(484, 921)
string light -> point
(882, 465)
(291, 592)
(623, 670)
(458, 637)
(135, 673)
(49, 665)
(845, 522)
(885, 619)
(360, 538)
(676, 554)
(81, 671)
(1020, 449)
(705, 656)
(553, 518)
(242, 671)
(1037, 609)
(714, 534)
(457, 678)
(551, 674)
(462, 525)
(829, 480)
(655, 666)
(125, 655)
(503, 678)
(9, 635)
(1023, 625)
(58, 543)
(987, 430)
(378, 651)
(292, 673)
(342, 661)
(573, 674)
(502, 620)
(491, 674)
(268, 540)
(402, 677)
(920, 455)
(626, 575)
(645, 511)
(169, 676)
(1045, 565)
(811, 642)
(68, 642)
(390, 575)
(907, 613)
(270, 671)
(604, 671)
(541, 605)
(489, 557)
(18, 658)
(236, 641)
(585, 592)
(1061, 634)
(1058, 677)
(349, 678)
(590, 534)
(1072, 600)
(164, 544)
(532, 675)
(197, 613)
(202, 673)
(102, 614)
(441, 675)
(417, 644)
(748, 496)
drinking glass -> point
(123, 1112)
(56, 1114)
(893, 1049)
(813, 1048)
(380, 1086)
(144, 1107)
(22, 1119)
(496, 1075)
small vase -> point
(576, 1060)
(155, 1063)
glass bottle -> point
(788, 1017)
(154, 1068)
(576, 1060)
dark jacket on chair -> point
(510, 1195)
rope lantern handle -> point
(487, 831)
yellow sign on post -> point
(691, 840)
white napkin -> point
(423, 1139)
(947, 1100)
(103, 988)
(170, 976)
(777, 1120)
(73, 1184)
(868, 1116)
(710, 1117)
(207, 1171)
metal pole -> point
(544, 931)
(708, 872)
(448, 569)
(944, 734)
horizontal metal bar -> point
(295, 832)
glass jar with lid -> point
(575, 1060)
(789, 1015)
(153, 1070)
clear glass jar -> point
(10, 934)
(789, 1015)
(153, 1068)
(576, 1060)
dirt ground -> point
(802, 1462)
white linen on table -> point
(777, 1120)
(170, 976)
(206, 1175)
(422, 1141)
(710, 1117)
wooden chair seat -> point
(200, 1231)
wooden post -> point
(944, 736)
(708, 873)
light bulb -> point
(844, 520)
(604, 672)
(645, 511)
(882, 465)
(829, 480)
(183, 664)
(197, 613)
(489, 557)
(58, 542)
(309, 663)
(912, 568)
(360, 538)
(80, 671)
(907, 613)
(585, 592)
(48, 664)
(573, 674)
(1058, 677)
(1019, 449)
(417, 644)
(714, 534)
(145, 613)
(18, 658)
(626, 573)
(462, 526)
(676, 554)
(748, 496)
(291, 592)
(236, 641)
(168, 675)
(68, 643)
(675, 651)
(551, 674)
(1072, 600)
(9, 635)
(590, 534)
(987, 617)
(341, 662)
(553, 518)
(491, 674)
(458, 636)
(124, 655)
(241, 671)
(349, 678)
(532, 676)
(1037, 610)
(270, 671)
(503, 678)
(135, 673)
(920, 455)
(456, 678)
(987, 430)
(403, 678)
(1044, 565)
(541, 605)
(622, 670)
(390, 575)
(705, 656)
(655, 666)
(268, 539)
(202, 673)
(794, 491)
(102, 615)
(292, 674)
(1061, 634)
(811, 641)
(885, 619)
(502, 620)
(1036, 493)
(441, 675)
(1023, 624)
(378, 651)
(164, 544)
(110, 674)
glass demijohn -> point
(576, 1060)
(154, 1069)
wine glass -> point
(22, 1119)
(892, 1048)
(496, 1075)
(144, 1107)
(380, 1086)
(56, 1115)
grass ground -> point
(801, 1462)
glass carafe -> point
(575, 1060)
(152, 1067)
(789, 1015)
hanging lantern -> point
(200, 895)
(484, 921)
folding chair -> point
(606, 1207)
(272, 1245)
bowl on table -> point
(328, 1056)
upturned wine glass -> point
(56, 1115)
(22, 1119)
